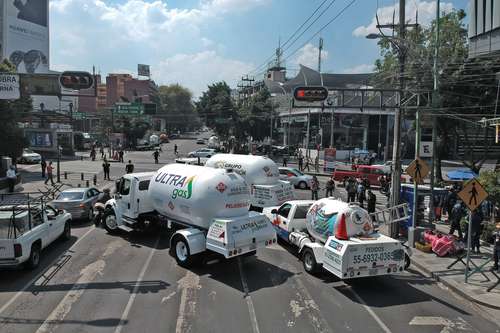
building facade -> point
(484, 27)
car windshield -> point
(67, 196)
(28, 151)
(297, 172)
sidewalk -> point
(453, 278)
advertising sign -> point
(26, 35)
(143, 70)
(330, 155)
(40, 139)
(9, 86)
(40, 84)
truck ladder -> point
(391, 215)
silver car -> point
(295, 177)
(78, 201)
(202, 152)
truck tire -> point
(34, 259)
(109, 221)
(66, 235)
(309, 261)
(303, 185)
(181, 252)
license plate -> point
(372, 271)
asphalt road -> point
(98, 282)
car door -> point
(126, 197)
(40, 228)
(281, 221)
(55, 223)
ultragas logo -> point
(183, 184)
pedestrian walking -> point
(101, 151)
(175, 149)
(129, 168)
(330, 188)
(92, 154)
(371, 202)
(156, 155)
(105, 168)
(11, 178)
(314, 188)
(301, 162)
(43, 164)
(308, 160)
(285, 160)
(120, 156)
(50, 174)
(361, 193)
(456, 214)
(350, 188)
(476, 220)
(366, 183)
(496, 246)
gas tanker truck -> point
(209, 207)
(261, 174)
(341, 237)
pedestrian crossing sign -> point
(418, 170)
(473, 194)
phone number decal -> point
(371, 257)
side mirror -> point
(274, 211)
(60, 211)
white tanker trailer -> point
(209, 205)
(261, 174)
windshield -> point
(298, 172)
(28, 151)
(67, 196)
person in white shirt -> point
(11, 178)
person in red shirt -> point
(50, 175)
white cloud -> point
(426, 13)
(363, 68)
(308, 56)
(197, 70)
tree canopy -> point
(177, 107)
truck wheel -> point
(66, 235)
(303, 185)
(182, 254)
(34, 258)
(309, 261)
(109, 219)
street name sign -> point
(473, 194)
(418, 170)
(9, 86)
(131, 109)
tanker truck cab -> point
(131, 204)
(340, 238)
(289, 217)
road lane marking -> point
(39, 275)
(136, 288)
(87, 275)
(251, 309)
(448, 325)
(187, 307)
(370, 311)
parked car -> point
(202, 152)
(78, 201)
(200, 141)
(295, 177)
(29, 156)
(25, 230)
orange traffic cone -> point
(341, 229)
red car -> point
(369, 171)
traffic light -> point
(310, 94)
(149, 108)
(76, 80)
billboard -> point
(143, 70)
(26, 35)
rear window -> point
(70, 196)
(301, 212)
(144, 185)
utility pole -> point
(411, 229)
(396, 152)
(320, 47)
(435, 96)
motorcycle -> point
(98, 213)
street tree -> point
(466, 86)
(217, 109)
(12, 140)
(177, 107)
(254, 117)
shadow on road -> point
(143, 287)
(104, 322)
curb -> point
(451, 286)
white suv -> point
(202, 152)
(25, 230)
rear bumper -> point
(9, 262)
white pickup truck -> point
(340, 237)
(26, 229)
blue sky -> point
(197, 42)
